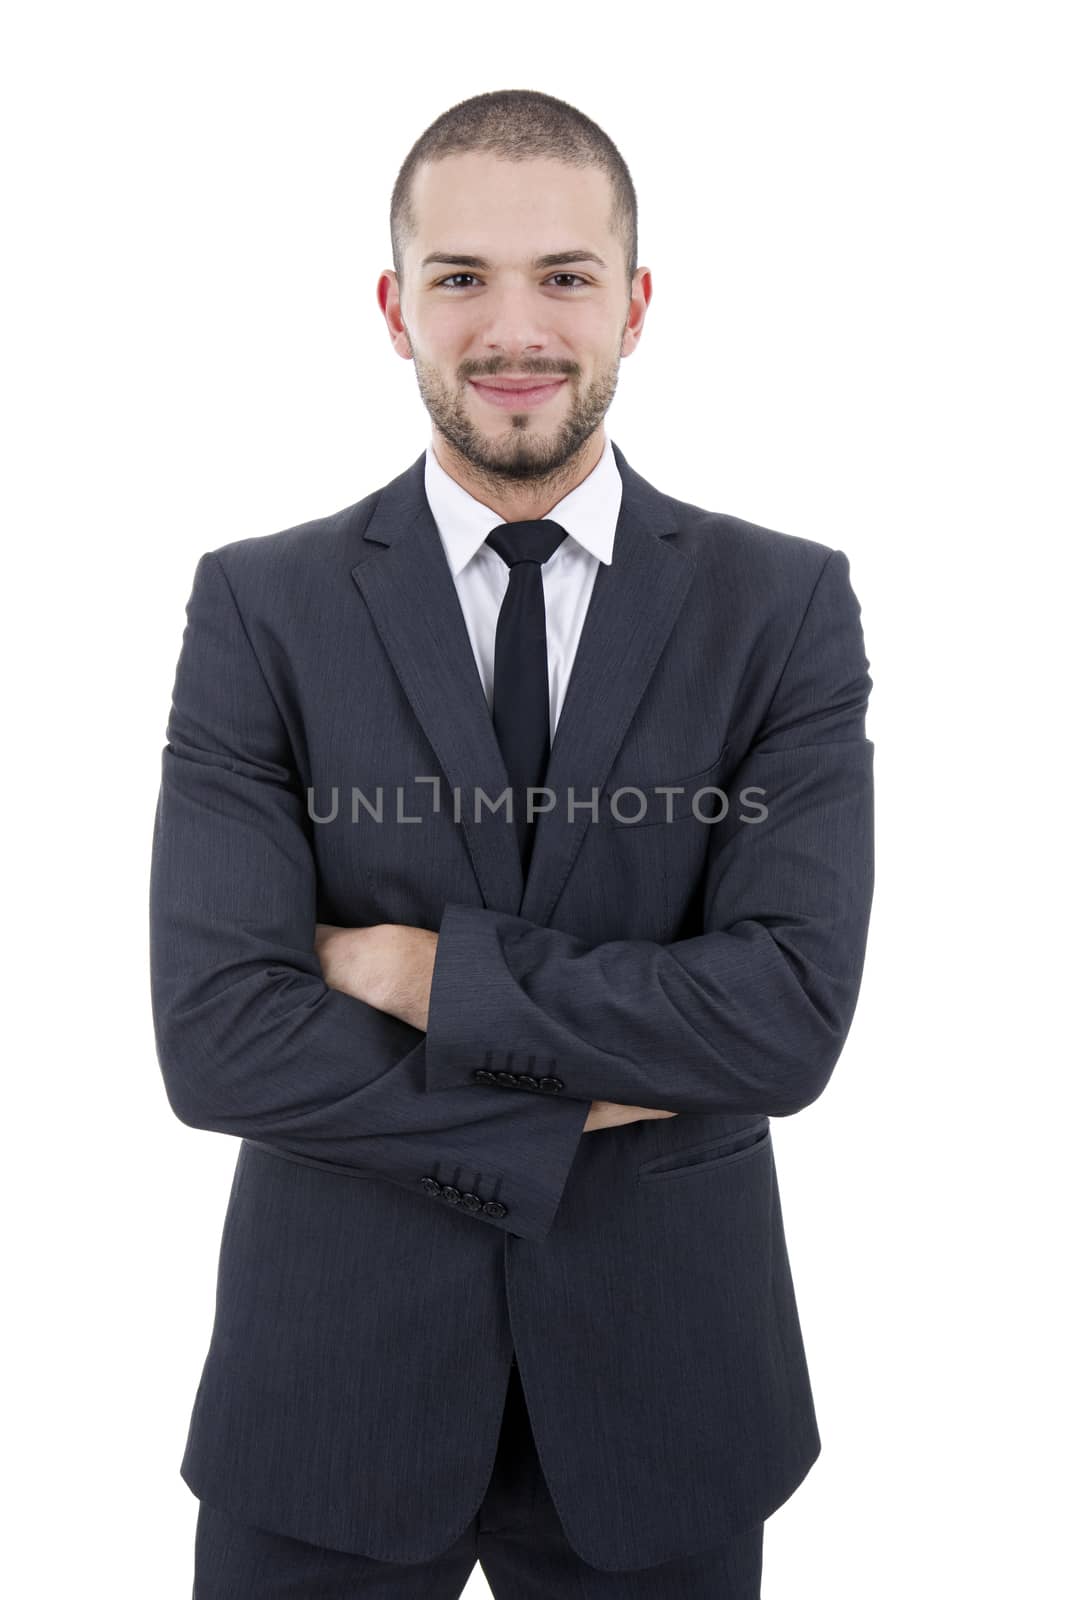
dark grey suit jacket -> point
(408, 1208)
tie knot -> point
(526, 541)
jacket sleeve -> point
(752, 1014)
(250, 1039)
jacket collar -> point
(405, 580)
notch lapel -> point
(409, 590)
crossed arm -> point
(748, 1016)
(365, 1061)
(390, 966)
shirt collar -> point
(589, 513)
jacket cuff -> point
(472, 994)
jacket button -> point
(551, 1085)
(493, 1208)
(483, 1075)
(451, 1194)
(528, 1082)
(508, 1079)
(431, 1185)
(471, 1202)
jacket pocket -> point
(306, 1161)
(729, 1148)
(682, 810)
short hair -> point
(517, 125)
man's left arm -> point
(751, 1015)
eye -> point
(449, 283)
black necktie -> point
(520, 665)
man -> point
(503, 1275)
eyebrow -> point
(562, 258)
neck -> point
(523, 500)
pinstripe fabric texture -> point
(515, 1535)
(411, 1210)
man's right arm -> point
(251, 1041)
(606, 1114)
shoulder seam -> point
(800, 629)
(213, 555)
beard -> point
(525, 449)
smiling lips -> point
(517, 394)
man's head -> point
(489, 199)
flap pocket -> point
(740, 1145)
(306, 1161)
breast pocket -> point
(641, 802)
(744, 1144)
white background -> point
(851, 214)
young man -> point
(503, 1275)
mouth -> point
(512, 399)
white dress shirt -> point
(589, 513)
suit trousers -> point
(516, 1536)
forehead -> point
(481, 202)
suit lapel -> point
(409, 590)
